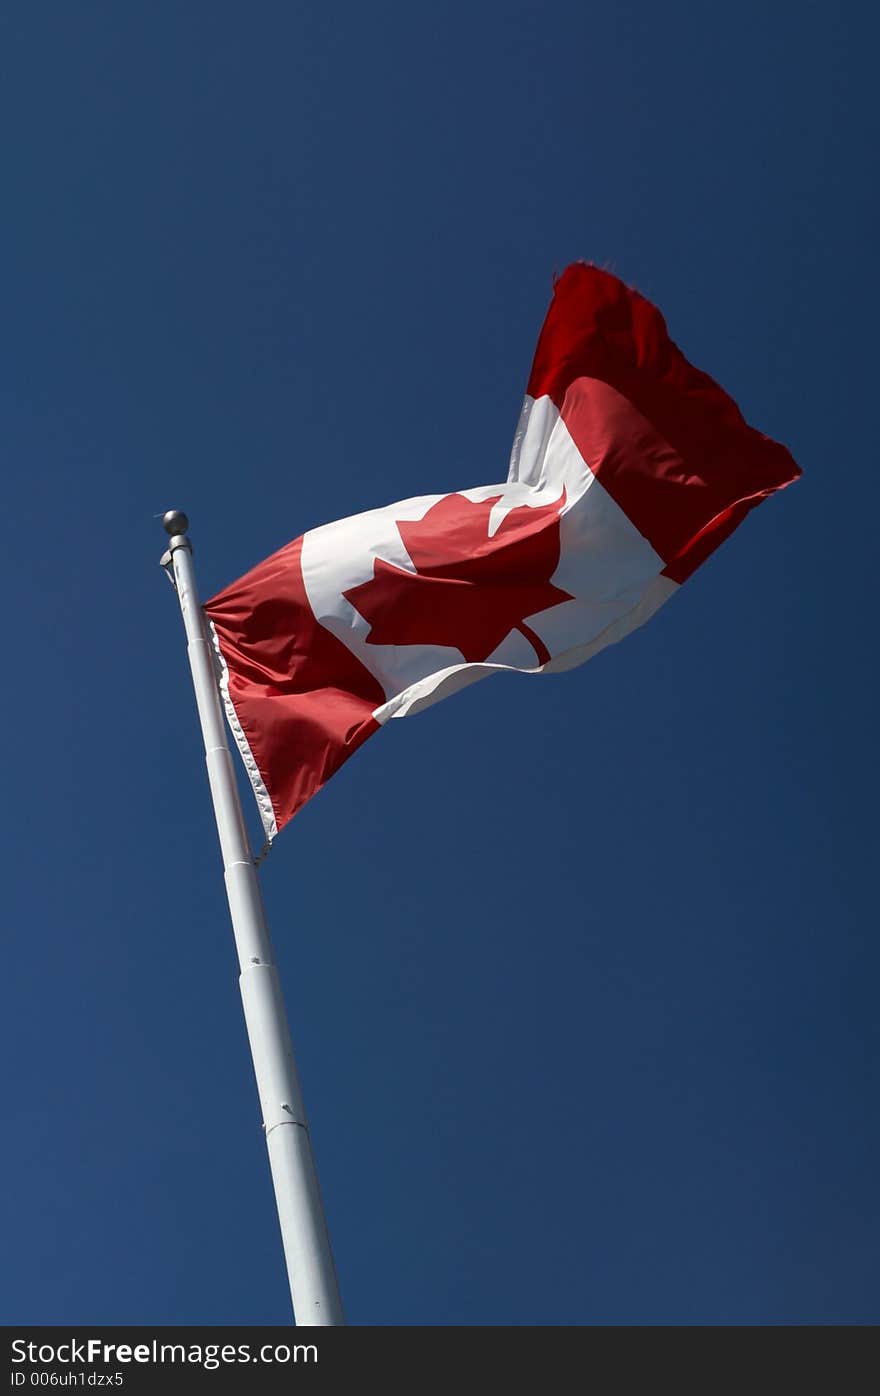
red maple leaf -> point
(469, 590)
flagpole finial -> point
(175, 522)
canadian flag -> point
(629, 467)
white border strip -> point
(264, 804)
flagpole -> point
(310, 1269)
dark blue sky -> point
(582, 971)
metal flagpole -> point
(313, 1285)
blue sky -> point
(582, 971)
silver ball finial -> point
(175, 522)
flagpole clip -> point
(166, 562)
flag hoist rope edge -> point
(261, 794)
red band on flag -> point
(303, 701)
(670, 446)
